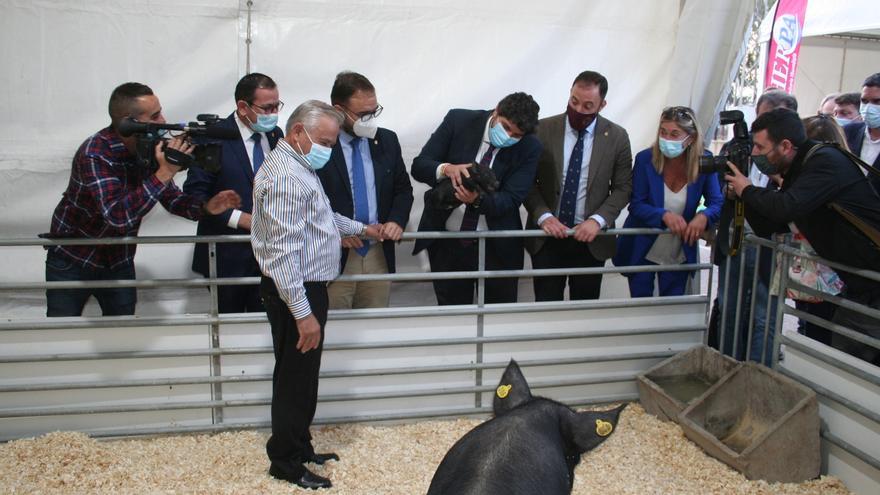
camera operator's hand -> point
(391, 231)
(736, 180)
(587, 230)
(552, 226)
(675, 222)
(166, 169)
(223, 201)
(695, 228)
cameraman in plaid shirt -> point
(108, 195)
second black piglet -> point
(482, 179)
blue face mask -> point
(265, 122)
(671, 149)
(870, 114)
(842, 121)
(499, 137)
(319, 155)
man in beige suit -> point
(584, 180)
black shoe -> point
(308, 480)
(320, 459)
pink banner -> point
(785, 44)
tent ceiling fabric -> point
(62, 59)
(834, 17)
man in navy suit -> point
(255, 116)
(365, 180)
(863, 138)
(503, 139)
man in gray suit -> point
(584, 180)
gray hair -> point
(310, 112)
(776, 98)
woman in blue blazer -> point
(667, 188)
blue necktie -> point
(568, 202)
(258, 152)
(471, 218)
(359, 186)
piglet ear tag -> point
(502, 391)
(512, 391)
(603, 428)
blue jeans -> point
(746, 261)
(70, 302)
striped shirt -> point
(294, 231)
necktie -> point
(471, 217)
(359, 190)
(258, 152)
(568, 202)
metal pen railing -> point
(214, 319)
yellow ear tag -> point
(603, 428)
(503, 390)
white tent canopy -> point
(62, 59)
(856, 17)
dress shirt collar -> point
(246, 132)
(591, 129)
(286, 148)
(345, 137)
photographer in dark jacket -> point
(810, 185)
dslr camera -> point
(206, 136)
(737, 151)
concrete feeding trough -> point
(759, 422)
(667, 388)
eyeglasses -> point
(367, 116)
(679, 112)
(275, 108)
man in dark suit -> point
(502, 139)
(366, 180)
(255, 116)
(863, 138)
(584, 180)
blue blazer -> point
(646, 210)
(233, 259)
(457, 140)
(394, 197)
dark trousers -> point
(294, 380)
(668, 283)
(566, 253)
(70, 302)
(450, 255)
(239, 299)
(824, 310)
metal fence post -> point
(481, 300)
(216, 387)
(780, 303)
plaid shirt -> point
(108, 195)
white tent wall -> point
(61, 60)
(833, 65)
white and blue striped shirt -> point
(294, 232)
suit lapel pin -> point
(376, 142)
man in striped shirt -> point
(296, 238)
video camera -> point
(204, 130)
(737, 151)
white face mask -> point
(365, 128)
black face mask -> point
(579, 121)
